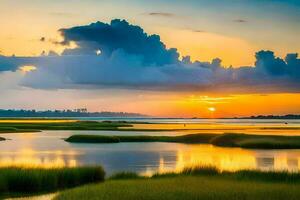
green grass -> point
(257, 141)
(189, 139)
(92, 139)
(187, 188)
(6, 127)
(125, 175)
(193, 183)
(32, 180)
(224, 140)
(253, 175)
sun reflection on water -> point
(30, 158)
(229, 159)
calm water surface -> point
(48, 149)
(200, 121)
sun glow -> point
(212, 109)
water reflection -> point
(47, 149)
(34, 158)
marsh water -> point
(48, 149)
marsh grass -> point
(202, 182)
(270, 176)
(92, 139)
(188, 139)
(253, 175)
(185, 187)
(125, 175)
(256, 141)
(201, 170)
(30, 180)
(209, 170)
(224, 140)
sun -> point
(212, 109)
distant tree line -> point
(82, 112)
(290, 116)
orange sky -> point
(184, 105)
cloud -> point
(119, 34)
(132, 59)
(240, 21)
(266, 61)
(161, 14)
(42, 39)
(119, 70)
(8, 63)
(198, 31)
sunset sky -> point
(166, 58)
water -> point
(198, 121)
(48, 149)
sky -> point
(192, 58)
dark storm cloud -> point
(132, 59)
(119, 34)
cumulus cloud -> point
(119, 34)
(8, 63)
(132, 59)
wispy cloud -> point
(161, 14)
(197, 30)
(240, 21)
(211, 100)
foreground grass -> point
(224, 140)
(251, 175)
(193, 183)
(23, 126)
(184, 187)
(33, 180)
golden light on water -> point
(30, 158)
(228, 159)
